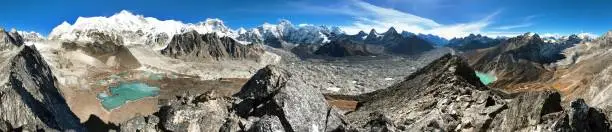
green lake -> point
(485, 78)
(125, 92)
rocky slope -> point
(195, 46)
(517, 60)
(29, 97)
(447, 96)
(107, 49)
(585, 71)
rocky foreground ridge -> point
(29, 97)
(444, 96)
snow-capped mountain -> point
(138, 29)
(287, 32)
(31, 36)
(134, 29)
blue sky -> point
(447, 18)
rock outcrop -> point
(275, 93)
(29, 97)
(9, 40)
(195, 46)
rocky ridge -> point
(447, 96)
(195, 46)
(29, 97)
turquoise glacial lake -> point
(485, 78)
(125, 92)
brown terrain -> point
(85, 102)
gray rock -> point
(198, 116)
(195, 46)
(275, 92)
(586, 119)
(528, 112)
(29, 98)
(267, 123)
(141, 123)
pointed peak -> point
(373, 31)
(124, 14)
(65, 23)
(391, 31)
(241, 30)
(530, 34)
(362, 33)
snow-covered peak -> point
(134, 29)
(241, 30)
(31, 36)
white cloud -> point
(507, 27)
(368, 16)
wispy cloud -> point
(507, 27)
(368, 16)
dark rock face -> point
(343, 48)
(473, 42)
(29, 99)
(392, 41)
(195, 46)
(94, 123)
(305, 50)
(447, 96)
(273, 92)
(10, 41)
(587, 119)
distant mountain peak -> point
(373, 32)
(391, 31)
(362, 33)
